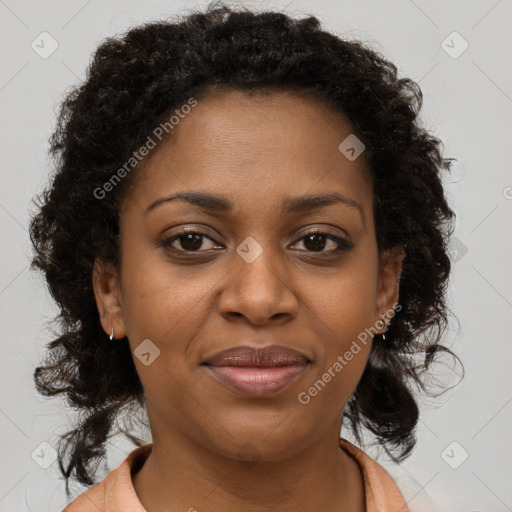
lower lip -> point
(257, 381)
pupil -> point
(313, 245)
(192, 242)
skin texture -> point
(255, 151)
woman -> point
(247, 237)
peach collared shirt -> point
(116, 493)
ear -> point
(107, 291)
(388, 286)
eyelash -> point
(343, 245)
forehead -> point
(257, 150)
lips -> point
(273, 355)
(257, 372)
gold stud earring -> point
(385, 323)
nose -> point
(258, 292)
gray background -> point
(467, 103)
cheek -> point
(342, 314)
(343, 303)
(162, 302)
(341, 319)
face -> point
(243, 271)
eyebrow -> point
(291, 205)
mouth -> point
(257, 372)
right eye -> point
(189, 240)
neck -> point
(182, 474)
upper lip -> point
(272, 355)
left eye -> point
(191, 241)
(317, 240)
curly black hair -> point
(133, 83)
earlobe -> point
(107, 292)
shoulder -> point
(412, 490)
(395, 482)
(92, 499)
(382, 493)
(116, 491)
